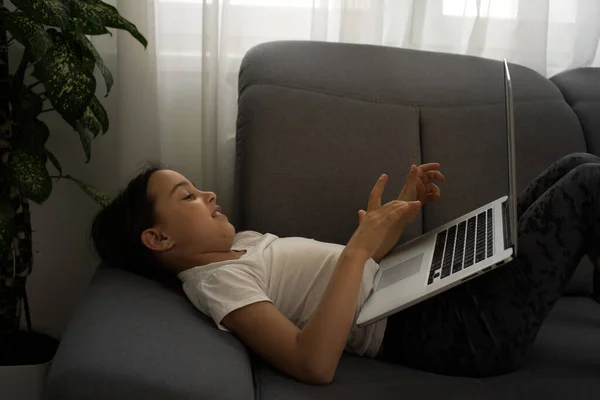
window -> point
(561, 11)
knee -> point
(575, 159)
(588, 174)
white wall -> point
(63, 260)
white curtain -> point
(176, 102)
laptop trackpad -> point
(399, 272)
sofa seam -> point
(420, 123)
(582, 101)
(377, 101)
(255, 377)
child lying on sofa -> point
(294, 301)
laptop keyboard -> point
(463, 245)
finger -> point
(433, 188)
(361, 216)
(432, 192)
(413, 173)
(414, 205)
(429, 167)
(375, 196)
(432, 197)
(434, 175)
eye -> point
(189, 197)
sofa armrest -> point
(132, 338)
(580, 89)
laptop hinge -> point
(506, 228)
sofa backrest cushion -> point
(319, 122)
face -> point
(186, 223)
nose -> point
(211, 196)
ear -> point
(155, 240)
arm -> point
(312, 354)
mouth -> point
(217, 212)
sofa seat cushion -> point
(564, 363)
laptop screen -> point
(512, 178)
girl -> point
(294, 301)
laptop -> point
(456, 252)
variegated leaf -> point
(88, 28)
(29, 173)
(7, 224)
(100, 113)
(108, 78)
(90, 121)
(69, 85)
(55, 162)
(29, 33)
(89, 18)
(111, 18)
(91, 191)
(48, 12)
(89, 63)
(84, 137)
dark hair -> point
(117, 229)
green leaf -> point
(7, 224)
(29, 173)
(86, 57)
(88, 27)
(48, 12)
(96, 10)
(89, 18)
(29, 33)
(118, 22)
(100, 113)
(27, 105)
(86, 141)
(91, 191)
(69, 85)
(108, 78)
(31, 138)
(55, 162)
(90, 122)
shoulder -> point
(231, 275)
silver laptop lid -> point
(512, 178)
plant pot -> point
(23, 382)
(25, 359)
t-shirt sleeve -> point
(228, 289)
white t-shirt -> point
(292, 273)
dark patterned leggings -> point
(485, 326)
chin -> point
(231, 229)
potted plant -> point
(54, 74)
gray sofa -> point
(317, 123)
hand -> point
(375, 201)
(418, 186)
(375, 225)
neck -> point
(197, 260)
